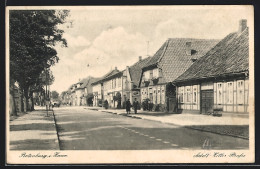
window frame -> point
(181, 94)
(240, 87)
(188, 94)
(219, 93)
(194, 95)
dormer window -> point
(193, 60)
(189, 50)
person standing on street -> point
(135, 105)
(128, 106)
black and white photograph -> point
(130, 84)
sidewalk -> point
(33, 131)
(225, 125)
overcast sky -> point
(101, 38)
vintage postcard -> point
(130, 84)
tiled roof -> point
(85, 82)
(229, 56)
(173, 59)
(97, 80)
(154, 60)
(136, 70)
(106, 76)
(114, 74)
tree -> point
(46, 78)
(54, 95)
(33, 35)
(62, 97)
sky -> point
(102, 38)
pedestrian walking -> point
(135, 105)
(127, 106)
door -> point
(207, 100)
(171, 105)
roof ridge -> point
(234, 44)
(164, 50)
(192, 39)
(140, 61)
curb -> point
(188, 127)
(203, 130)
(224, 134)
(56, 127)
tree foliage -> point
(54, 95)
(45, 78)
(33, 36)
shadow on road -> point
(109, 132)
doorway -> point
(207, 101)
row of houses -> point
(79, 93)
(184, 75)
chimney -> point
(115, 68)
(242, 25)
(140, 58)
(188, 48)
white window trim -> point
(194, 96)
(230, 93)
(240, 100)
(220, 99)
(188, 94)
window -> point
(154, 96)
(162, 95)
(240, 90)
(158, 95)
(181, 95)
(230, 92)
(194, 95)
(246, 92)
(119, 82)
(115, 83)
(188, 94)
(219, 93)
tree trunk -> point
(22, 103)
(31, 96)
(26, 98)
(13, 93)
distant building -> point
(80, 93)
(133, 75)
(219, 79)
(67, 97)
(104, 83)
(86, 95)
(118, 86)
(174, 57)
